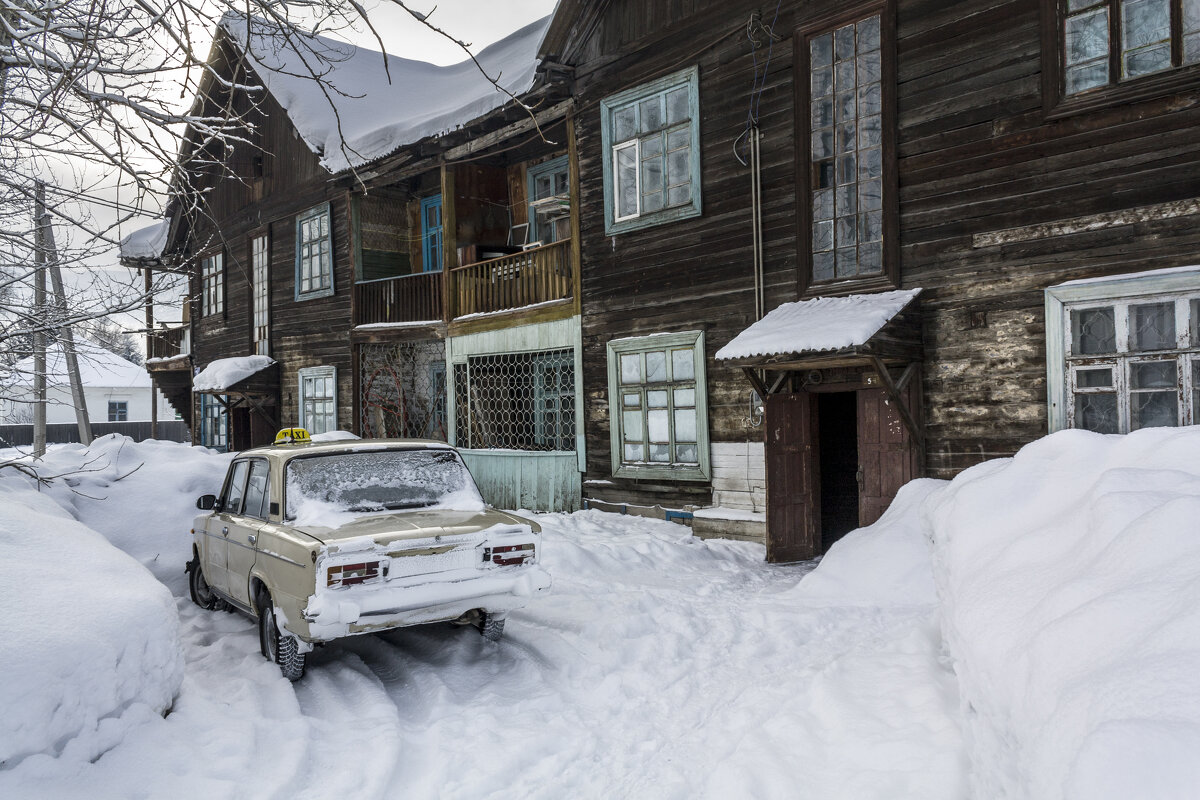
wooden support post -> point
(756, 382)
(894, 392)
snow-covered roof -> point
(379, 108)
(823, 323)
(223, 373)
(147, 242)
(98, 368)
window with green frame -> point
(658, 406)
(651, 143)
(314, 254)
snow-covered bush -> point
(89, 635)
(1070, 585)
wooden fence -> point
(64, 433)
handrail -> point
(403, 298)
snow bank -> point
(89, 635)
(886, 564)
(1070, 584)
(225, 372)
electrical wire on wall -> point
(756, 32)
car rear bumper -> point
(363, 609)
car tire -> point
(492, 628)
(283, 649)
(202, 594)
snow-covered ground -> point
(1045, 646)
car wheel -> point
(283, 649)
(492, 628)
(202, 593)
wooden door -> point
(792, 518)
(886, 456)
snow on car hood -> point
(384, 527)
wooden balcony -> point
(538, 275)
(167, 342)
(407, 298)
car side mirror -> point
(206, 502)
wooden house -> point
(800, 255)
(399, 243)
(976, 160)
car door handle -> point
(224, 531)
(251, 538)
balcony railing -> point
(407, 298)
(167, 342)
(537, 275)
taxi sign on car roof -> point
(292, 436)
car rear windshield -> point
(379, 480)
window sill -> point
(651, 220)
(1150, 87)
(662, 473)
(836, 288)
(300, 298)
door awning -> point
(831, 332)
(242, 375)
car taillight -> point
(350, 574)
(508, 555)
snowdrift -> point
(1069, 578)
(89, 635)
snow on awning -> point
(820, 325)
(381, 106)
(146, 244)
(225, 373)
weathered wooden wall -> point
(695, 273)
(976, 153)
(302, 334)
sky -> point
(476, 22)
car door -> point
(217, 559)
(244, 527)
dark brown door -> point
(792, 521)
(886, 456)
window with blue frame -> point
(651, 141)
(431, 233)
(550, 201)
(214, 423)
(314, 254)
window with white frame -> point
(314, 254)
(651, 140)
(212, 289)
(550, 201)
(1125, 352)
(259, 262)
(214, 423)
(318, 399)
(658, 406)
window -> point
(1108, 43)
(118, 411)
(259, 262)
(258, 490)
(516, 401)
(235, 490)
(1125, 352)
(431, 233)
(212, 290)
(651, 141)
(314, 254)
(550, 201)
(658, 406)
(848, 189)
(214, 423)
(318, 399)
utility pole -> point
(65, 335)
(39, 330)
